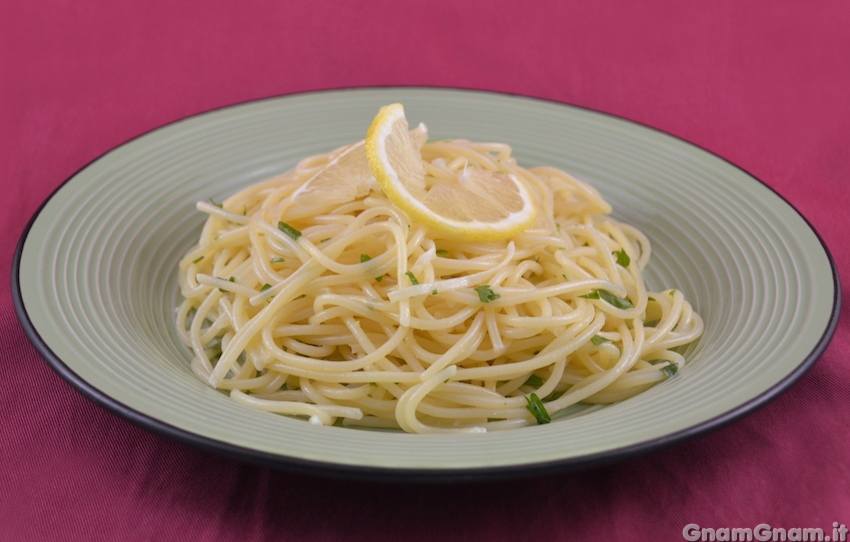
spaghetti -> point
(351, 314)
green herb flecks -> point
(618, 302)
(365, 258)
(534, 381)
(622, 258)
(535, 406)
(288, 230)
(433, 292)
(670, 370)
(486, 294)
(231, 279)
(277, 260)
(651, 323)
(555, 395)
(598, 339)
(442, 252)
(412, 278)
(199, 259)
(379, 279)
(265, 287)
(609, 298)
(325, 239)
(219, 205)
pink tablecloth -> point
(765, 85)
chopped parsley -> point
(433, 292)
(265, 287)
(670, 370)
(219, 205)
(486, 294)
(535, 406)
(618, 302)
(288, 230)
(622, 258)
(534, 381)
(231, 279)
(199, 259)
(597, 340)
(555, 395)
(442, 252)
(365, 258)
(325, 239)
(413, 280)
(609, 298)
(277, 260)
(379, 279)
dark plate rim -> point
(368, 473)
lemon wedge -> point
(483, 205)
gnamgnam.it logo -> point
(764, 532)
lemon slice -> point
(345, 178)
(483, 206)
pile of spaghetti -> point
(313, 294)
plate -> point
(95, 279)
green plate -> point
(95, 280)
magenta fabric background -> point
(762, 84)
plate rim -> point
(404, 474)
